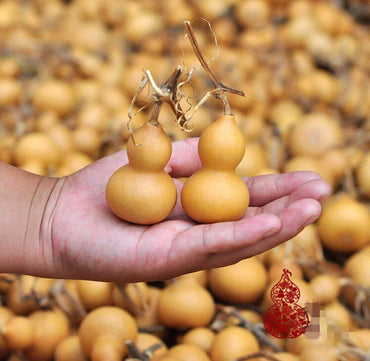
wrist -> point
(25, 203)
(37, 257)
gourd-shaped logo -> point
(285, 319)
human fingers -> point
(293, 219)
(266, 188)
(317, 189)
(184, 160)
(200, 242)
(314, 189)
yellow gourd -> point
(142, 192)
(103, 333)
(36, 335)
(215, 193)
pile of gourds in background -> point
(68, 73)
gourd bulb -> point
(56, 96)
(344, 225)
(215, 193)
(104, 330)
(142, 192)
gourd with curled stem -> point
(142, 192)
(215, 193)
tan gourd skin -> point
(27, 284)
(233, 342)
(215, 193)
(184, 305)
(103, 333)
(142, 192)
(5, 316)
(18, 333)
(37, 335)
(50, 328)
(70, 350)
(344, 224)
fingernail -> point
(323, 198)
(271, 231)
(311, 220)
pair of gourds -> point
(142, 192)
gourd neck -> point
(108, 348)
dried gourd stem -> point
(162, 94)
(22, 295)
(182, 83)
(202, 101)
(180, 115)
(156, 89)
(167, 93)
(138, 310)
(171, 83)
(143, 303)
(133, 308)
(205, 66)
(151, 349)
(155, 113)
(306, 258)
(347, 347)
(358, 320)
(152, 329)
(184, 120)
(173, 86)
(135, 354)
(353, 353)
(43, 301)
(221, 89)
(361, 313)
(8, 278)
(78, 312)
(313, 266)
(227, 109)
(361, 305)
(257, 331)
(215, 40)
(159, 93)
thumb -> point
(184, 160)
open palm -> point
(88, 241)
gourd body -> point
(215, 193)
(142, 192)
(49, 329)
(103, 333)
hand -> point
(87, 241)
